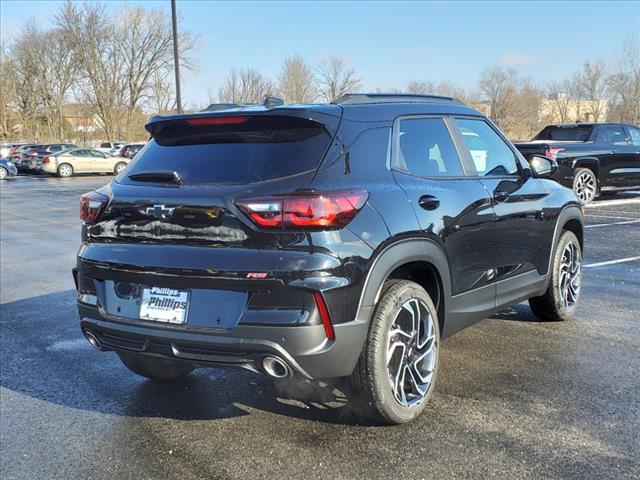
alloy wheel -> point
(3, 173)
(411, 352)
(570, 276)
(65, 171)
(585, 187)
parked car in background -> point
(82, 160)
(129, 151)
(15, 154)
(334, 240)
(7, 148)
(7, 169)
(115, 151)
(107, 147)
(31, 160)
(592, 158)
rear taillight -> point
(552, 152)
(45, 160)
(92, 205)
(326, 210)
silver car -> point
(82, 160)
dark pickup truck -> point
(592, 158)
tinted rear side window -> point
(253, 150)
(565, 134)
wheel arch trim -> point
(568, 213)
(396, 255)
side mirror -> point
(543, 167)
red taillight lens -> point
(45, 160)
(327, 210)
(203, 121)
(552, 152)
(323, 311)
(92, 205)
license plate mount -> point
(166, 305)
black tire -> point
(551, 306)
(65, 170)
(4, 173)
(155, 368)
(371, 380)
(585, 185)
(119, 167)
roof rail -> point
(364, 98)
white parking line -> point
(607, 203)
(591, 215)
(613, 262)
(611, 223)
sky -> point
(387, 43)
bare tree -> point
(419, 87)
(527, 119)
(624, 84)
(8, 93)
(560, 97)
(335, 79)
(119, 58)
(245, 86)
(296, 81)
(161, 93)
(591, 85)
(444, 88)
(499, 86)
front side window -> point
(490, 154)
(611, 135)
(426, 148)
(635, 135)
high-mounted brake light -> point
(552, 152)
(319, 210)
(92, 205)
(204, 121)
(324, 316)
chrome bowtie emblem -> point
(159, 211)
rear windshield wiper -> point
(160, 176)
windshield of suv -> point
(565, 134)
(249, 150)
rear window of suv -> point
(565, 134)
(248, 149)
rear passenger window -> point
(426, 149)
(490, 154)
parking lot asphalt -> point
(516, 398)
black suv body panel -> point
(253, 291)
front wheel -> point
(4, 173)
(585, 185)
(155, 368)
(397, 369)
(560, 300)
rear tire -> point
(560, 300)
(585, 185)
(65, 170)
(4, 173)
(155, 368)
(396, 373)
(119, 167)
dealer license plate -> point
(164, 305)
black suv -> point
(333, 240)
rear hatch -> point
(182, 188)
(172, 221)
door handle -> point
(428, 202)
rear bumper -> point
(305, 349)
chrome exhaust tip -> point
(92, 339)
(274, 367)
